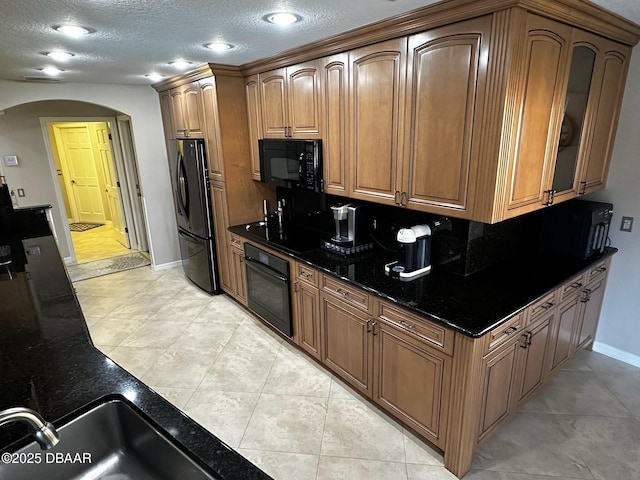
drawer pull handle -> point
(510, 330)
(405, 324)
(546, 305)
(601, 269)
(368, 322)
(576, 285)
(342, 292)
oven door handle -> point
(260, 267)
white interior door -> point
(112, 183)
(75, 146)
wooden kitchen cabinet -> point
(591, 300)
(498, 379)
(252, 94)
(290, 101)
(605, 102)
(222, 237)
(238, 270)
(446, 82)
(212, 129)
(187, 110)
(411, 380)
(167, 116)
(532, 357)
(563, 332)
(530, 172)
(347, 346)
(306, 302)
(376, 102)
(334, 84)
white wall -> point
(619, 330)
(142, 105)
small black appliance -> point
(291, 163)
(578, 228)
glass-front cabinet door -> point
(573, 132)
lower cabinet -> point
(411, 380)
(307, 318)
(498, 380)
(347, 342)
(532, 357)
(592, 303)
(240, 275)
(563, 331)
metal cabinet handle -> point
(373, 328)
(547, 305)
(583, 188)
(526, 339)
(368, 322)
(395, 197)
(601, 269)
(403, 199)
(576, 285)
(406, 324)
(510, 330)
(342, 292)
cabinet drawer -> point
(436, 335)
(307, 274)
(572, 287)
(504, 332)
(540, 306)
(353, 296)
(236, 241)
(597, 271)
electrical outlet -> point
(21, 192)
(627, 224)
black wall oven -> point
(268, 288)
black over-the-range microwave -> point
(291, 163)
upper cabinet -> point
(486, 114)
(252, 93)
(446, 83)
(290, 101)
(186, 109)
(540, 108)
(376, 100)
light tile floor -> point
(97, 244)
(296, 421)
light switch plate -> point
(627, 224)
(11, 160)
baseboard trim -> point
(165, 266)
(616, 353)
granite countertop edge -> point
(458, 326)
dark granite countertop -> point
(48, 363)
(472, 305)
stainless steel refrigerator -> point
(191, 191)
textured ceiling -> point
(131, 38)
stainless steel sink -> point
(112, 441)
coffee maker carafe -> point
(415, 253)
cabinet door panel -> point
(591, 313)
(273, 99)
(308, 318)
(240, 277)
(334, 93)
(540, 115)
(606, 112)
(411, 382)
(533, 358)
(446, 81)
(252, 93)
(498, 378)
(346, 345)
(222, 237)
(563, 332)
(376, 93)
(193, 115)
(303, 89)
(178, 110)
(212, 129)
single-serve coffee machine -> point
(350, 230)
(415, 253)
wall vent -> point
(41, 79)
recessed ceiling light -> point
(154, 77)
(180, 64)
(72, 30)
(52, 71)
(59, 55)
(219, 46)
(282, 18)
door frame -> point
(126, 198)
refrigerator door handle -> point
(182, 187)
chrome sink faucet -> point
(44, 433)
